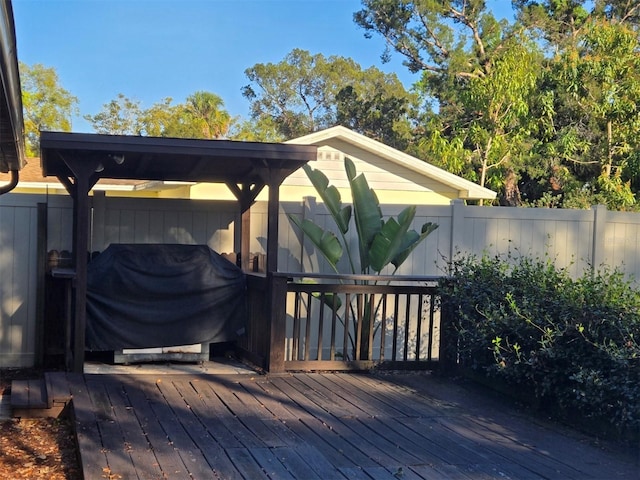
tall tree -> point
(46, 104)
(291, 92)
(561, 23)
(602, 110)
(121, 116)
(481, 74)
(305, 93)
(263, 129)
(207, 113)
(201, 116)
(557, 22)
(377, 105)
(162, 119)
(590, 89)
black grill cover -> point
(142, 296)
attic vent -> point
(330, 155)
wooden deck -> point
(313, 426)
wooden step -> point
(31, 398)
(58, 390)
(28, 394)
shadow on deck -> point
(200, 425)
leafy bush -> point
(571, 344)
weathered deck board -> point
(191, 455)
(92, 456)
(119, 461)
(210, 421)
(311, 426)
(57, 388)
(28, 393)
(214, 403)
(166, 454)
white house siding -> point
(390, 181)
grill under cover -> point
(149, 295)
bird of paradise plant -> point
(380, 242)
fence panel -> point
(18, 267)
(573, 239)
(129, 220)
(562, 236)
(622, 242)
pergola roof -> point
(172, 159)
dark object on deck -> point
(142, 295)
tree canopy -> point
(201, 116)
(46, 104)
(544, 109)
(304, 93)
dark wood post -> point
(80, 257)
(41, 268)
(277, 286)
(272, 226)
(245, 240)
(448, 361)
(84, 172)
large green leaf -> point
(331, 198)
(328, 299)
(411, 241)
(331, 300)
(391, 238)
(324, 240)
(367, 214)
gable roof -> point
(335, 136)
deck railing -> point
(343, 322)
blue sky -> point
(152, 49)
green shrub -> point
(571, 344)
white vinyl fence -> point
(573, 239)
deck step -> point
(28, 394)
(58, 390)
(29, 398)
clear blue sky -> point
(152, 49)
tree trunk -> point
(609, 166)
(511, 191)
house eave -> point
(12, 155)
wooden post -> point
(245, 240)
(41, 265)
(277, 286)
(448, 355)
(80, 256)
(84, 172)
(273, 213)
